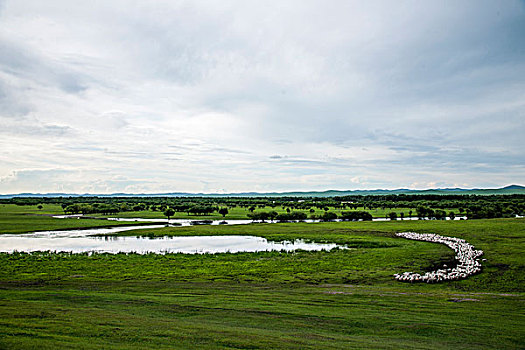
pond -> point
(93, 240)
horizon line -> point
(262, 193)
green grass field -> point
(22, 219)
(343, 299)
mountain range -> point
(511, 189)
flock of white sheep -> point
(467, 259)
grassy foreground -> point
(340, 299)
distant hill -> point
(512, 189)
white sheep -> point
(466, 255)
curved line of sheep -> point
(467, 259)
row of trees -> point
(90, 209)
(301, 216)
(473, 206)
(273, 215)
(169, 212)
(424, 213)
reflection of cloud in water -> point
(78, 241)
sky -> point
(237, 96)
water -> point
(185, 222)
(89, 240)
(188, 222)
(93, 240)
(415, 218)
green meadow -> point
(22, 219)
(341, 299)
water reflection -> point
(188, 222)
(80, 241)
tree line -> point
(471, 206)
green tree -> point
(329, 216)
(440, 214)
(169, 212)
(223, 212)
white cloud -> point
(203, 96)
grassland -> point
(242, 213)
(336, 300)
(22, 219)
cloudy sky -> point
(231, 96)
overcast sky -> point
(231, 96)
